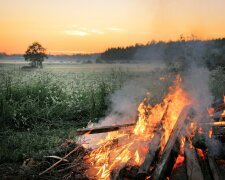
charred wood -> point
(103, 129)
(217, 115)
(214, 168)
(193, 168)
(153, 150)
(199, 141)
(127, 172)
(203, 164)
(171, 150)
(213, 124)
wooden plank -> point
(153, 150)
(193, 168)
(102, 129)
(217, 115)
(171, 149)
(213, 124)
(214, 168)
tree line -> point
(181, 53)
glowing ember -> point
(223, 114)
(200, 130)
(179, 161)
(210, 111)
(180, 158)
(162, 78)
(200, 153)
(115, 150)
(210, 133)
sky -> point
(90, 26)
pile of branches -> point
(65, 163)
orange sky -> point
(86, 26)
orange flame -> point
(210, 133)
(162, 78)
(137, 157)
(223, 114)
(201, 153)
(132, 150)
(179, 161)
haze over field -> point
(84, 26)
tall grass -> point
(217, 83)
(28, 98)
(38, 109)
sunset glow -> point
(84, 26)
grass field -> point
(41, 108)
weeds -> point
(39, 109)
(217, 83)
(28, 98)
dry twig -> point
(62, 159)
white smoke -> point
(124, 102)
(196, 82)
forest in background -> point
(174, 53)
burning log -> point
(219, 107)
(199, 141)
(103, 129)
(153, 149)
(171, 150)
(219, 130)
(203, 163)
(127, 172)
(214, 124)
(192, 165)
(217, 115)
(214, 168)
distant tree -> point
(2, 54)
(35, 53)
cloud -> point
(96, 31)
(82, 31)
(76, 33)
(116, 29)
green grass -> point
(28, 98)
(217, 83)
(39, 109)
(20, 145)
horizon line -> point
(74, 52)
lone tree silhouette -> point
(35, 53)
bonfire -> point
(153, 146)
